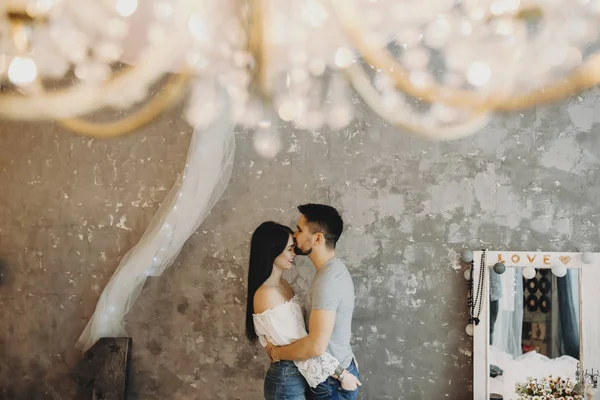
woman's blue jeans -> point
(284, 382)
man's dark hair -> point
(324, 219)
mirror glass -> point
(534, 328)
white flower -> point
(540, 388)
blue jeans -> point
(332, 388)
(284, 382)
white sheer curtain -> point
(574, 274)
(566, 312)
(508, 329)
(202, 182)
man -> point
(329, 304)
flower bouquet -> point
(548, 388)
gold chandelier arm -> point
(360, 81)
(76, 100)
(584, 77)
(157, 104)
(83, 99)
(257, 45)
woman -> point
(274, 314)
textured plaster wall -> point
(70, 207)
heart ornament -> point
(565, 259)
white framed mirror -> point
(538, 317)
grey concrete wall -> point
(70, 207)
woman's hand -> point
(350, 382)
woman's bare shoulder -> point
(267, 298)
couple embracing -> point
(307, 342)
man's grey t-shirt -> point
(332, 289)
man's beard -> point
(301, 252)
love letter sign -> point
(533, 259)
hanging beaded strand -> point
(477, 301)
(470, 298)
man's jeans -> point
(332, 388)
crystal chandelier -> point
(439, 68)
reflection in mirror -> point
(533, 328)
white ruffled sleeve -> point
(266, 329)
(317, 369)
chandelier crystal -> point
(437, 67)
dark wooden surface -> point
(103, 370)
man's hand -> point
(350, 382)
(314, 344)
(269, 349)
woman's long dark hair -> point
(267, 243)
